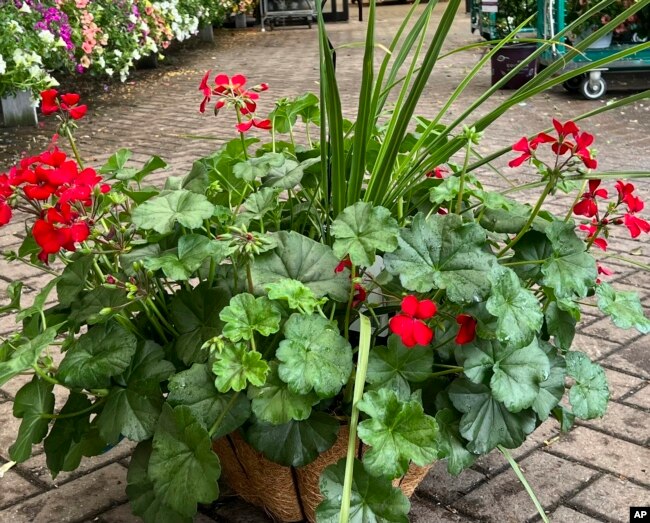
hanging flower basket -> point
(289, 494)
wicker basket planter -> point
(288, 494)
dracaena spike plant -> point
(289, 288)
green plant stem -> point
(249, 277)
(211, 271)
(75, 414)
(241, 136)
(359, 382)
(457, 370)
(524, 262)
(461, 187)
(577, 198)
(162, 318)
(218, 421)
(45, 376)
(73, 146)
(547, 189)
(152, 318)
(643, 266)
(524, 482)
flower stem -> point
(459, 201)
(75, 414)
(359, 381)
(73, 145)
(577, 198)
(217, 422)
(531, 218)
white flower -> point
(101, 62)
(46, 36)
(117, 53)
(15, 27)
(109, 71)
(136, 55)
(25, 8)
(3, 65)
(133, 19)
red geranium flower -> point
(624, 190)
(587, 206)
(58, 229)
(583, 141)
(437, 172)
(360, 295)
(253, 122)
(49, 104)
(601, 243)
(5, 213)
(408, 324)
(467, 330)
(523, 146)
(606, 271)
(343, 264)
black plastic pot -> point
(509, 57)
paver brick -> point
(122, 514)
(73, 501)
(624, 422)
(504, 500)
(621, 384)
(423, 511)
(607, 452)
(610, 498)
(632, 358)
(444, 488)
(568, 515)
(13, 488)
(641, 398)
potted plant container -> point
(18, 109)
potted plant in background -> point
(504, 18)
(210, 320)
(621, 33)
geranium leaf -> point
(561, 325)
(144, 501)
(395, 366)
(571, 271)
(134, 404)
(246, 315)
(236, 366)
(515, 374)
(288, 175)
(397, 432)
(196, 317)
(258, 167)
(590, 394)
(195, 389)
(487, 422)
(623, 307)
(452, 445)
(551, 389)
(104, 351)
(162, 212)
(73, 280)
(182, 466)
(314, 356)
(88, 306)
(192, 251)
(300, 258)
(442, 252)
(361, 230)
(297, 443)
(534, 247)
(25, 355)
(372, 500)
(39, 302)
(66, 431)
(519, 315)
(297, 295)
(275, 403)
(14, 292)
(258, 204)
(33, 400)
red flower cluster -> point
(438, 172)
(569, 140)
(232, 92)
(360, 295)
(467, 330)
(409, 324)
(345, 263)
(50, 177)
(588, 206)
(68, 104)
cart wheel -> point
(592, 90)
(573, 84)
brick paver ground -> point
(592, 474)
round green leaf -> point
(314, 356)
(246, 314)
(590, 394)
(236, 366)
(161, 213)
